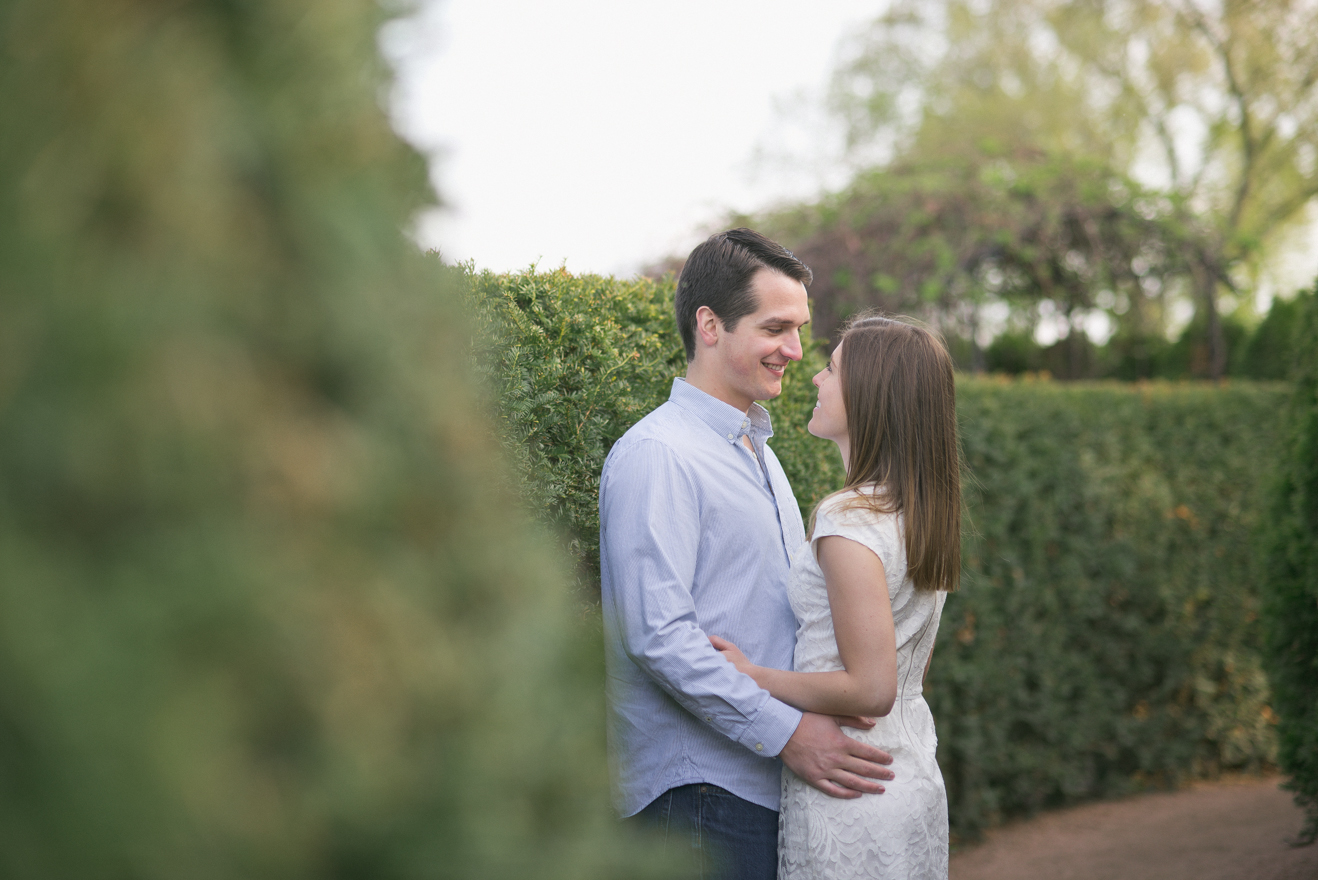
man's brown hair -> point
(719, 273)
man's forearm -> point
(712, 690)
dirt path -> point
(1230, 830)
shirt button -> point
(732, 437)
(709, 717)
(759, 747)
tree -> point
(1214, 105)
(947, 237)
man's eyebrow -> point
(767, 321)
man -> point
(697, 528)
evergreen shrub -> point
(1291, 576)
(1106, 636)
(264, 610)
(1275, 344)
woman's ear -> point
(708, 325)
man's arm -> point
(649, 539)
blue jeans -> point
(719, 835)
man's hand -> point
(826, 758)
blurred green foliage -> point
(1106, 637)
(266, 607)
(1291, 577)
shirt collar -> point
(728, 421)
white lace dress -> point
(901, 833)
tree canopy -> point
(1212, 107)
(946, 238)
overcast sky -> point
(604, 134)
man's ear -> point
(708, 325)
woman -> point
(867, 587)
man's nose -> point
(792, 346)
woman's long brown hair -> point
(899, 393)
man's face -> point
(752, 359)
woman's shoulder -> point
(858, 514)
(857, 506)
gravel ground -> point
(1233, 829)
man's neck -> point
(711, 384)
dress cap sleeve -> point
(848, 516)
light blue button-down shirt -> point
(696, 536)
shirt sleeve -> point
(649, 540)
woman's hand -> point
(733, 655)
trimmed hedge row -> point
(1106, 636)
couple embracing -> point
(755, 666)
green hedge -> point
(1291, 582)
(1106, 637)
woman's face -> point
(829, 420)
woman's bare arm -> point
(862, 620)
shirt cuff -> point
(773, 726)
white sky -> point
(604, 134)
